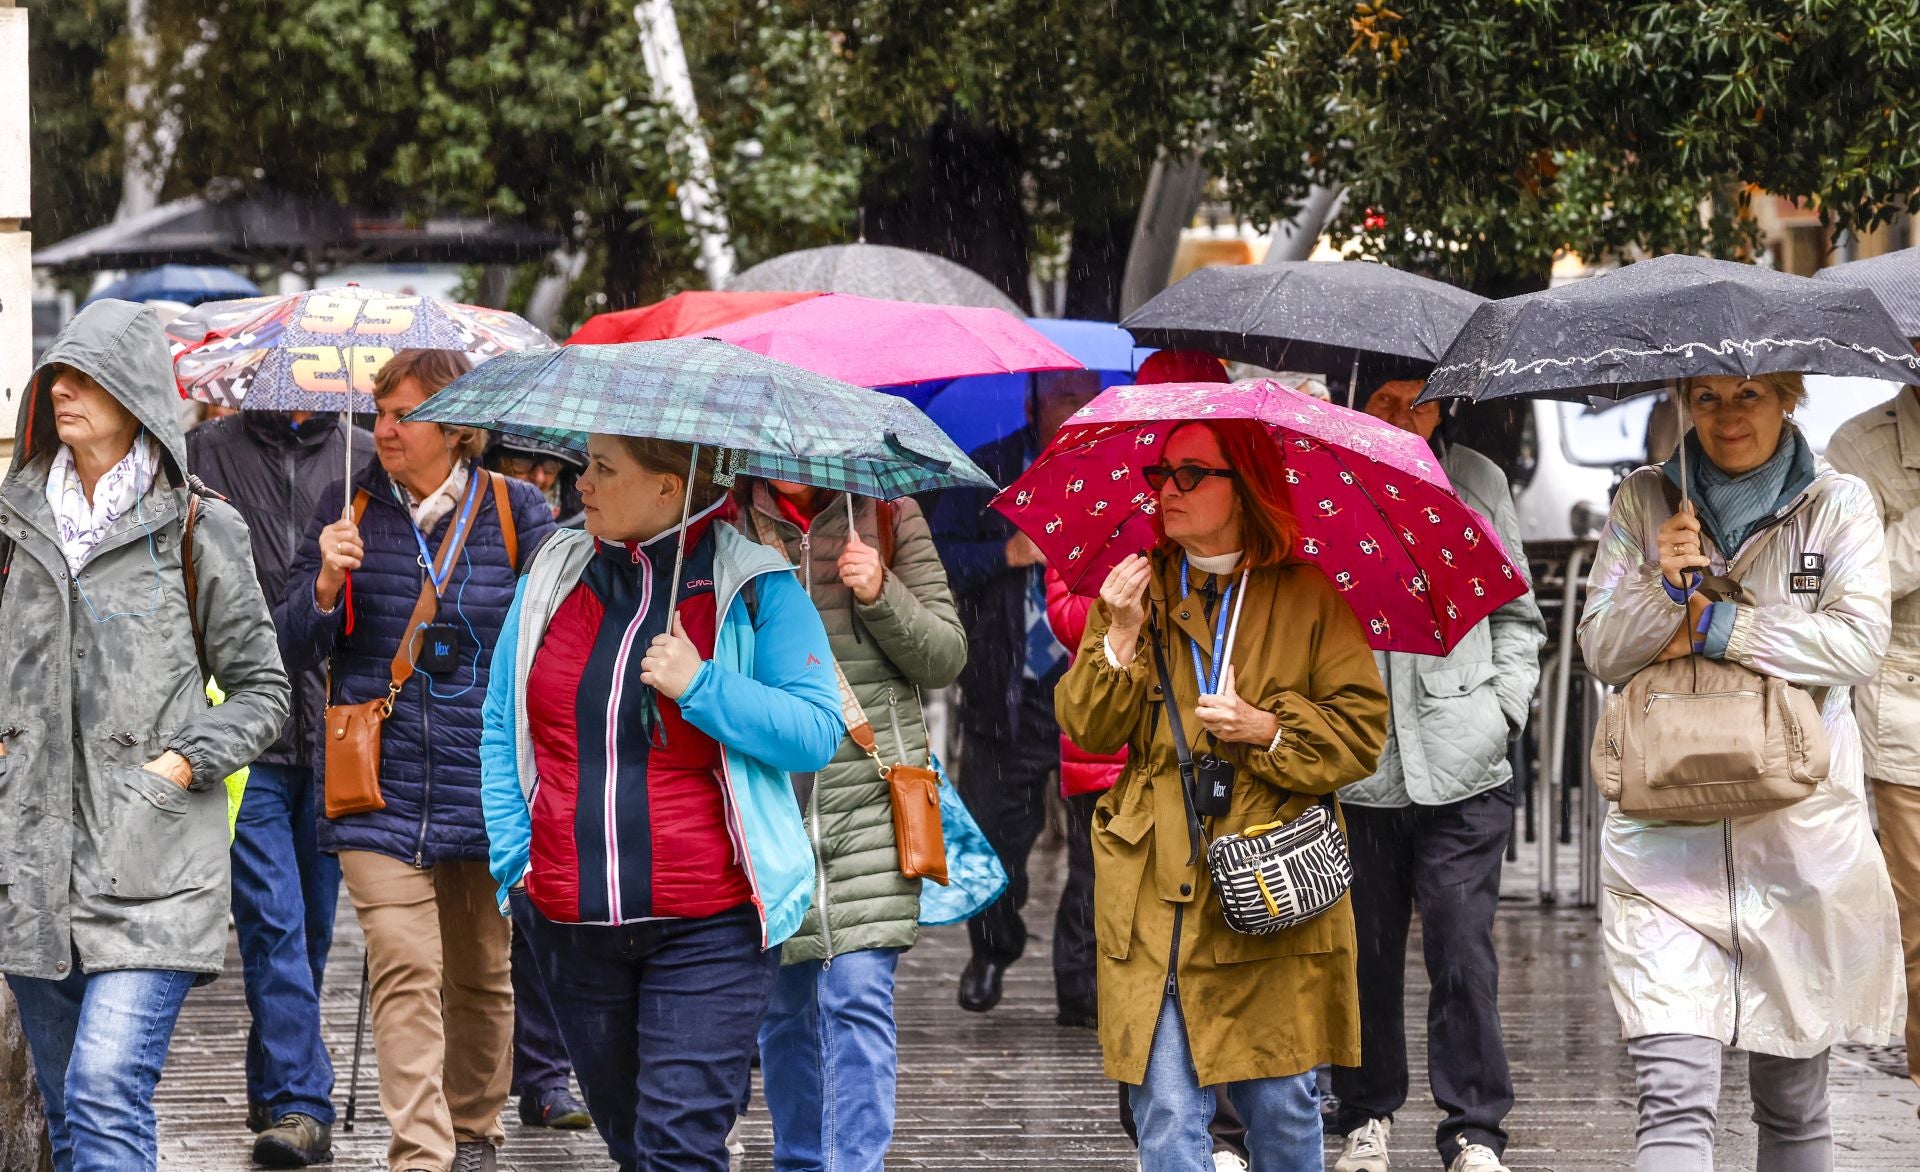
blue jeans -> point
(284, 895)
(98, 1041)
(660, 1019)
(1282, 1115)
(827, 1056)
(539, 1052)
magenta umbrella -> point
(1375, 511)
(871, 342)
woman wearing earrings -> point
(113, 840)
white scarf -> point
(441, 501)
(83, 524)
(1217, 564)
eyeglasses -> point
(1186, 477)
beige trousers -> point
(1899, 807)
(437, 949)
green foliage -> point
(1489, 133)
(75, 157)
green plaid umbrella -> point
(777, 421)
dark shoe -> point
(294, 1141)
(1079, 1015)
(475, 1156)
(980, 983)
(556, 1108)
(257, 1118)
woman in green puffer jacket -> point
(827, 1048)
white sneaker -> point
(1475, 1158)
(1228, 1162)
(1366, 1149)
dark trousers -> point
(284, 895)
(661, 1020)
(1073, 946)
(1004, 778)
(539, 1052)
(1446, 861)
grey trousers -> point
(1678, 1078)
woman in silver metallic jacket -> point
(1772, 933)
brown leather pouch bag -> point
(916, 821)
(353, 730)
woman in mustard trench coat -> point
(1186, 1003)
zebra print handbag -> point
(1283, 873)
(1271, 876)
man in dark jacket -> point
(1009, 736)
(272, 468)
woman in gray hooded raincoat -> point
(113, 818)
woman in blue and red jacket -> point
(415, 870)
(639, 734)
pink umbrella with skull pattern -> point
(1375, 512)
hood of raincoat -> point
(121, 346)
(100, 674)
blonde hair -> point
(433, 370)
(1790, 385)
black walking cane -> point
(359, 1040)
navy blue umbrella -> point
(190, 284)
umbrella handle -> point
(680, 540)
(1233, 624)
(346, 428)
(1680, 414)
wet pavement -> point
(1012, 1090)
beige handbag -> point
(1698, 739)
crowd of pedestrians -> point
(599, 744)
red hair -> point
(1180, 366)
(1267, 527)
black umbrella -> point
(1638, 328)
(1308, 315)
(1894, 279)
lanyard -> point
(1210, 687)
(450, 546)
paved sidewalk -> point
(1011, 1090)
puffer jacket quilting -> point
(430, 746)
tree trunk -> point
(1096, 267)
(959, 196)
(1174, 187)
(23, 1130)
(1295, 239)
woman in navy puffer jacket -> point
(416, 870)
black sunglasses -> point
(1187, 476)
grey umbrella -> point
(1894, 279)
(1638, 328)
(1307, 315)
(874, 270)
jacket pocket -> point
(1120, 862)
(162, 840)
(1231, 947)
(1456, 681)
(10, 819)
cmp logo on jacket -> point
(1809, 570)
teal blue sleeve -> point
(787, 713)
(509, 822)
(1719, 629)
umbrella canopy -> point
(1375, 511)
(778, 421)
(874, 270)
(1893, 277)
(1306, 315)
(319, 350)
(976, 411)
(187, 284)
(678, 316)
(1638, 328)
(874, 343)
